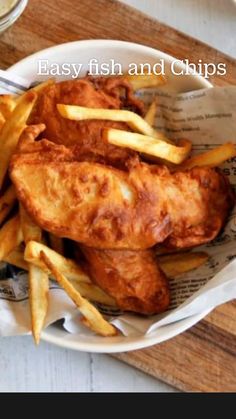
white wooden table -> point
(24, 368)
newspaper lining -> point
(208, 118)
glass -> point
(12, 15)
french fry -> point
(150, 119)
(10, 236)
(93, 293)
(92, 318)
(172, 265)
(38, 279)
(38, 293)
(7, 202)
(7, 105)
(56, 243)
(148, 145)
(80, 113)
(12, 129)
(211, 158)
(177, 264)
(16, 258)
(29, 229)
(67, 266)
(139, 81)
(39, 88)
(89, 291)
(151, 113)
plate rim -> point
(141, 341)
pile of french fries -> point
(44, 262)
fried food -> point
(86, 136)
(67, 266)
(38, 278)
(39, 88)
(85, 182)
(132, 278)
(75, 275)
(38, 296)
(7, 105)
(80, 113)
(211, 158)
(7, 201)
(151, 113)
(93, 293)
(179, 263)
(107, 208)
(12, 129)
(133, 120)
(156, 147)
(56, 243)
(10, 236)
(16, 258)
(29, 229)
(2, 120)
(141, 81)
(92, 318)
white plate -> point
(124, 53)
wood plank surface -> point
(203, 358)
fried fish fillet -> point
(132, 278)
(107, 208)
(85, 137)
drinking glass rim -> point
(11, 11)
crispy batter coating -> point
(132, 278)
(107, 208)
(148, 292)
(85, 137)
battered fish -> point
(85, 137)
(140, 287)
(132, 278)
(107, 208)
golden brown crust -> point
(90, 203)
(85, 137)
(207, 198)
(107, 208)
(132, 278)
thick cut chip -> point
(87, 290)
(38, 279)
(38, 290)
(80, 113)
(12, 129)
(7, 202)
(139, 81)
(151, 113)
(149, 145)
(10, 236)
(92, 318)
(30, 230)
(177, 264)
(7, 105)
(67, 266)
(16, 258)
(211, 158)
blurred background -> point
(211, 21)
